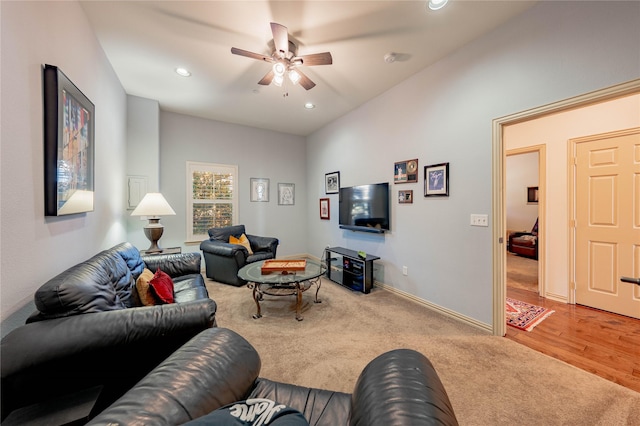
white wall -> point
(258, 153)
(35, 247)
(521, 173)
(553, 51)
(554, 131)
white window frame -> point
(195, 166)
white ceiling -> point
(146, 41)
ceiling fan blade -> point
(266, 80)
(251, 55)
(280, 39)
(315, 59)
(305, 81)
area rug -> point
(525, 316)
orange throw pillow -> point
(144, 290)
(243, 241)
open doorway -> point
(555, 234)
(524, 192)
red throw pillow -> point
(162, 286)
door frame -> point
(498, 182)
(542, 199)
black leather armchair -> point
(223, 260)
(219, 367)
(525, 243)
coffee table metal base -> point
(289, 289)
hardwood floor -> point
(600, 342)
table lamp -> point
(153, 205)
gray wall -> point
(551, 52)
(34, 248)
(258, 153)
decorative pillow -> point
(243, 241)
(255, 412)
(162, 287)
(144, 289)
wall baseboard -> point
(444, 311)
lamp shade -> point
(153, 204)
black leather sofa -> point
(89, 330)
(219, 367)
(223, 260)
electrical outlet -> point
(479, 220)
(405, 270)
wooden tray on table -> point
(282, 266)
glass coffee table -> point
(282, 284)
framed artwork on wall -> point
(436, 180)
(405, 171)
(405, 197)
(532, 195)
(260, 189)
(286, 194)
(325, 211)
(332, 183)
(69, 145)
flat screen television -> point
(365, 208)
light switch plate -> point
(479, 220)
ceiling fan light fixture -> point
(279, 69)
(436, 4)
(278, 80)
(294, 76)
(309, 105)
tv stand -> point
(347, 268)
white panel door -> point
(607, 226)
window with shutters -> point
(212, 198)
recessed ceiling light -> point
(436, 4)
(183, 72)
(309, 105)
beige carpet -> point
(490, 380)
(522, 272)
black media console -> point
(347, 268)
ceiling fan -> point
(285, 60)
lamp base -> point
(154, 231)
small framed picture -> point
(260, 189)
(532, 195)
(286, 194)
(325, 211)
(405, 171)
(332, 183)
(405, 197)
(436, 180)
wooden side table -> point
(169, 250)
